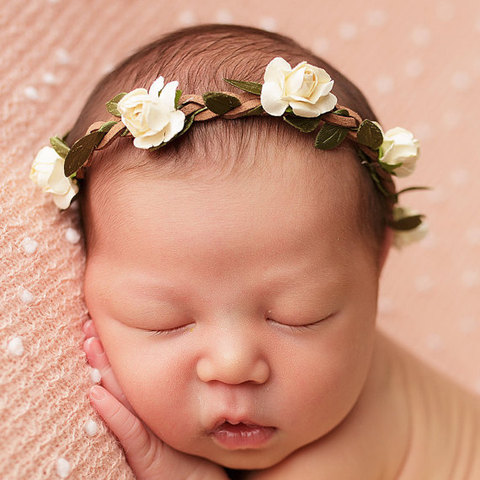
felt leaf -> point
(407, 223)
(330, 136)
(107, 126)
(258, 110)
(112, 104)
(390, 168)
(342, 112)
(413, 188)
(220, 103)
(251, 87)
(370, 135)
(305, 125)
(59, 146)
(81, 151)
(178, 94)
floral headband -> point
(301, 96)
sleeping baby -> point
(232, 269)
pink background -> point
(417, 62)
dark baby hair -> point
(200, 57)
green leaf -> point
(251, 87)
(330, 136)
(289, 109)
(178, 94)
(59, 146)
(112, 104)
(81, 151)
(413, 188)
(390, 168)
(107, 126)
(342, 112)
(305, 125)
(220, 103)
(258, 110)
(407, 223)
(370, 135)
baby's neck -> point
(445, 423)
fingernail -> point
(94, 345)
(97, 393)
(86, 326)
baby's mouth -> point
(241, 435)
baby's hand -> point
(147, 455)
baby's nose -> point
(234, 359)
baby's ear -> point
(387, 243)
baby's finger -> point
(142, 448)
(89, 329)
(98, 359)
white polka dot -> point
(25, 295)
(63, 468)
(437, 195)
(268, 23)
(470, 278)
(468, 324)
(429, 241)
(224, 16)
(423, 130)
(29, 245)
(49, 78)
(376, 18)
(420, 35)
(31, 93)
(423, 283)
(459, 177)
(91, 427)
(62, 56)
(321, 45)
(384, 84)
(347, 30)
(72, 235)
(15, 346)
(434, 342)
(451, 119)
(461, 80)
(187, 17)
(95, 375)
(473, 236)
(445, 10)
(414, 67)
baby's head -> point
(232, 275)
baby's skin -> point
(234, 325)
(411, 422)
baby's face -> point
(238, 314)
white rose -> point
(150, 118)
(400, 147)
(305, 88)
(47, 172)
(402, 238)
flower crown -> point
(301, 96)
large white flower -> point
(402, 238)
(305, 88)
(152, 119)
(400, 147)
(47, 172)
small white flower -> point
(47, 172)
(400, 147)
(150, 118)
(402, 238)
(305, 88)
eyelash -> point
(296, 328)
